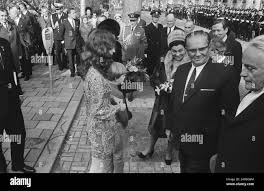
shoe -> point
(168, 162)
(72, 75)
(142, 156)
(26, 78)
(130, 97)
(60, 68)
(25, 169)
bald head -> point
(171, 20)
(189, 27)
(13, 12)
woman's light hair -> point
(258, 43)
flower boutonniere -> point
(165, 87)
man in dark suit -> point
(171, 21)
(33, 27)
(69, 32)
(233, 47)
(241, 146)
(8, 31)
(153, 33)
(25, 29)
(204, 93)
(11, 118)
(56, 21)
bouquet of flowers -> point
(166, 87)
(127, 41)
(135, 76)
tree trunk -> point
(83, 5)
(129, 7)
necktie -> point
(169, 30)
(190, 85)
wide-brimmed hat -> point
(176, 36)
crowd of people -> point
(245, 23)
(195, 76)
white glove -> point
(168, 132)
(62, 42)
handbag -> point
(122, 117)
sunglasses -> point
(194, 51)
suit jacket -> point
(29, 21)
(214, 98)
(136, 44)
(12, 36)
(56, 31)
(165, 46)
(6, 75)
(154, 38)
(241, 145)
(69, 34)
(234, 49)
(25, 36)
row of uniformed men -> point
(245, 23)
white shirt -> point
(155, 24)
(247, 100)
(168, 29)
(224, 39)
(72, 22)
(59, 15)
(198, 71)
(17, 20)
(5, 25)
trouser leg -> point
(118, 156)
(2, 157)
(70, 55)
(58, 53)
(15, 127)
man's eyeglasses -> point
(193, 51)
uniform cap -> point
(155, 13)
(133, 16)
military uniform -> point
(58, 46)
(135, 41)
(154, 39)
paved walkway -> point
(75, 155)
(47, 117)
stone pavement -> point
(47, 117)
(75, 155)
